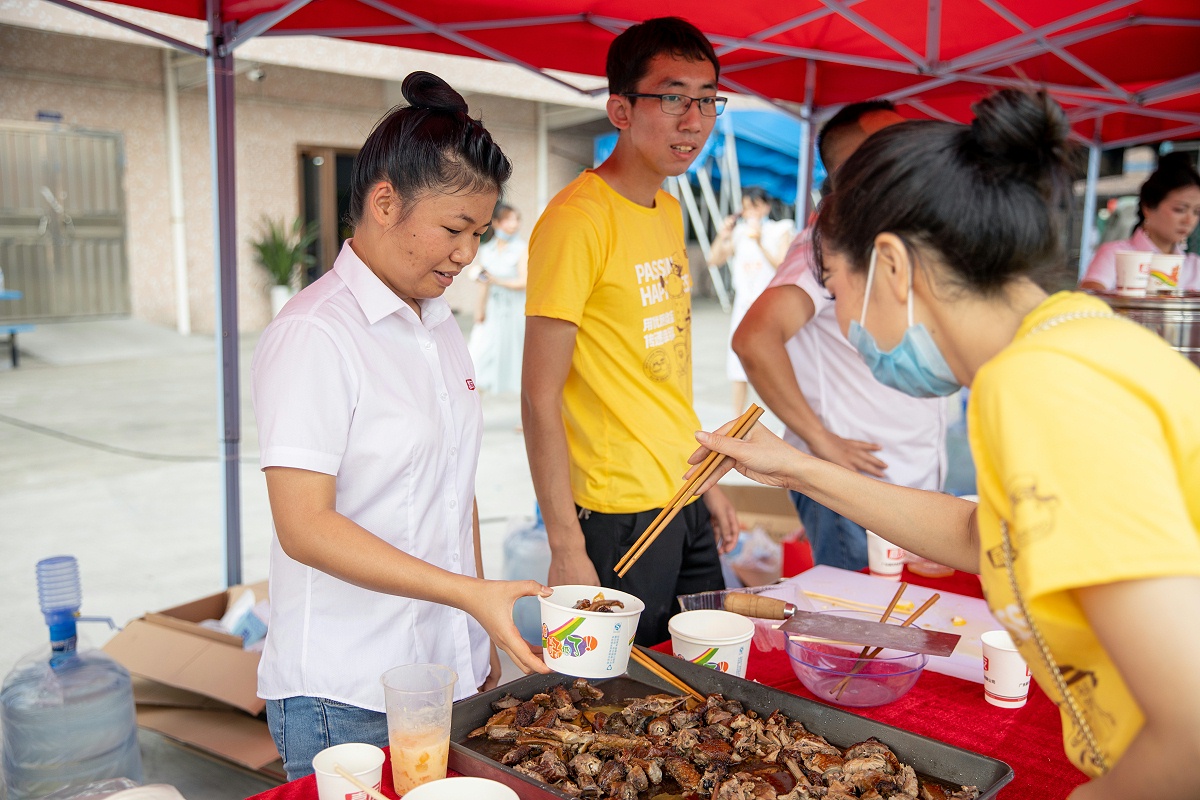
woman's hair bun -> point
(426, 90)
(1025, 130)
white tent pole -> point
(1088, 232)
(221, 142)
(183, 312)
(543, 159)
(804, 162)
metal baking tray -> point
(929, 757)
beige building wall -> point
(117, 86)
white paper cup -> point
(1133, 271)
(462, 789)
(884, 559)
(715, 639)
(1164, 272)
(363, 761)
(588, 644)
(1005, 673)
(419, 701)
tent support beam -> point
(221, 141)
(875, 32)
(1158, 136)
(980, 56)
(1086, 69)
(409, 30)
(262, 23)
(1088, 232)
(787, 25)
(131, 26)
(933, 32)
(464, 41)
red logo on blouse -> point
(470, 384)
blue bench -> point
(12, 330)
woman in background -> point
(499, 333)
(1083, 425)
(1168, 211)
(370, 429)
(753, 245)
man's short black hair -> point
(847, 116)
(630, 54)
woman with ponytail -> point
(370, 427)
(1083, 426)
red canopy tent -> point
(1126, 71)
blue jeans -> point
(835, 540)
(304, 726)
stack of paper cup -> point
(885, 559)
(1133, 272)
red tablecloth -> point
(949, 709)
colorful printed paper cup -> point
(1164, 273)
(588, 644)
(714, 639)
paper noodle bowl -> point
(715, 639)
(588, 644)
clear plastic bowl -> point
(821, 667)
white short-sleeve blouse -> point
(350, 382)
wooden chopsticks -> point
(704, 470)
(661, 672)
(862, 662)
(887, 612)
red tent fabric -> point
(1128, 71)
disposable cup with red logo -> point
(1005, 673)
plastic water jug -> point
(67, 715)
(527, 557)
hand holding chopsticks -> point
(704, 470)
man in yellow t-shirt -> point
(1045, 467)
(607, 375)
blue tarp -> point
(768, 151)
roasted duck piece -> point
(669, 745)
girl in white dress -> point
(754, 246)
(499, 333)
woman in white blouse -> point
(370, 428)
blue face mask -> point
(915, 366)
(504, 236)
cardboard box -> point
(196, 685)
(767, 506)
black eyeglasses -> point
(678, 104)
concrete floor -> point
(108, 442)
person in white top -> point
(370, 428)
(498, 338)
(1168, 211)
(753, 245)
(811, 377)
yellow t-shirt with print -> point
(619, 272)
(1086, 441)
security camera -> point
(256, 74)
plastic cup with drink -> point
(418, 699)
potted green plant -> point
(282, 252)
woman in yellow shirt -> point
(1083, 426)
